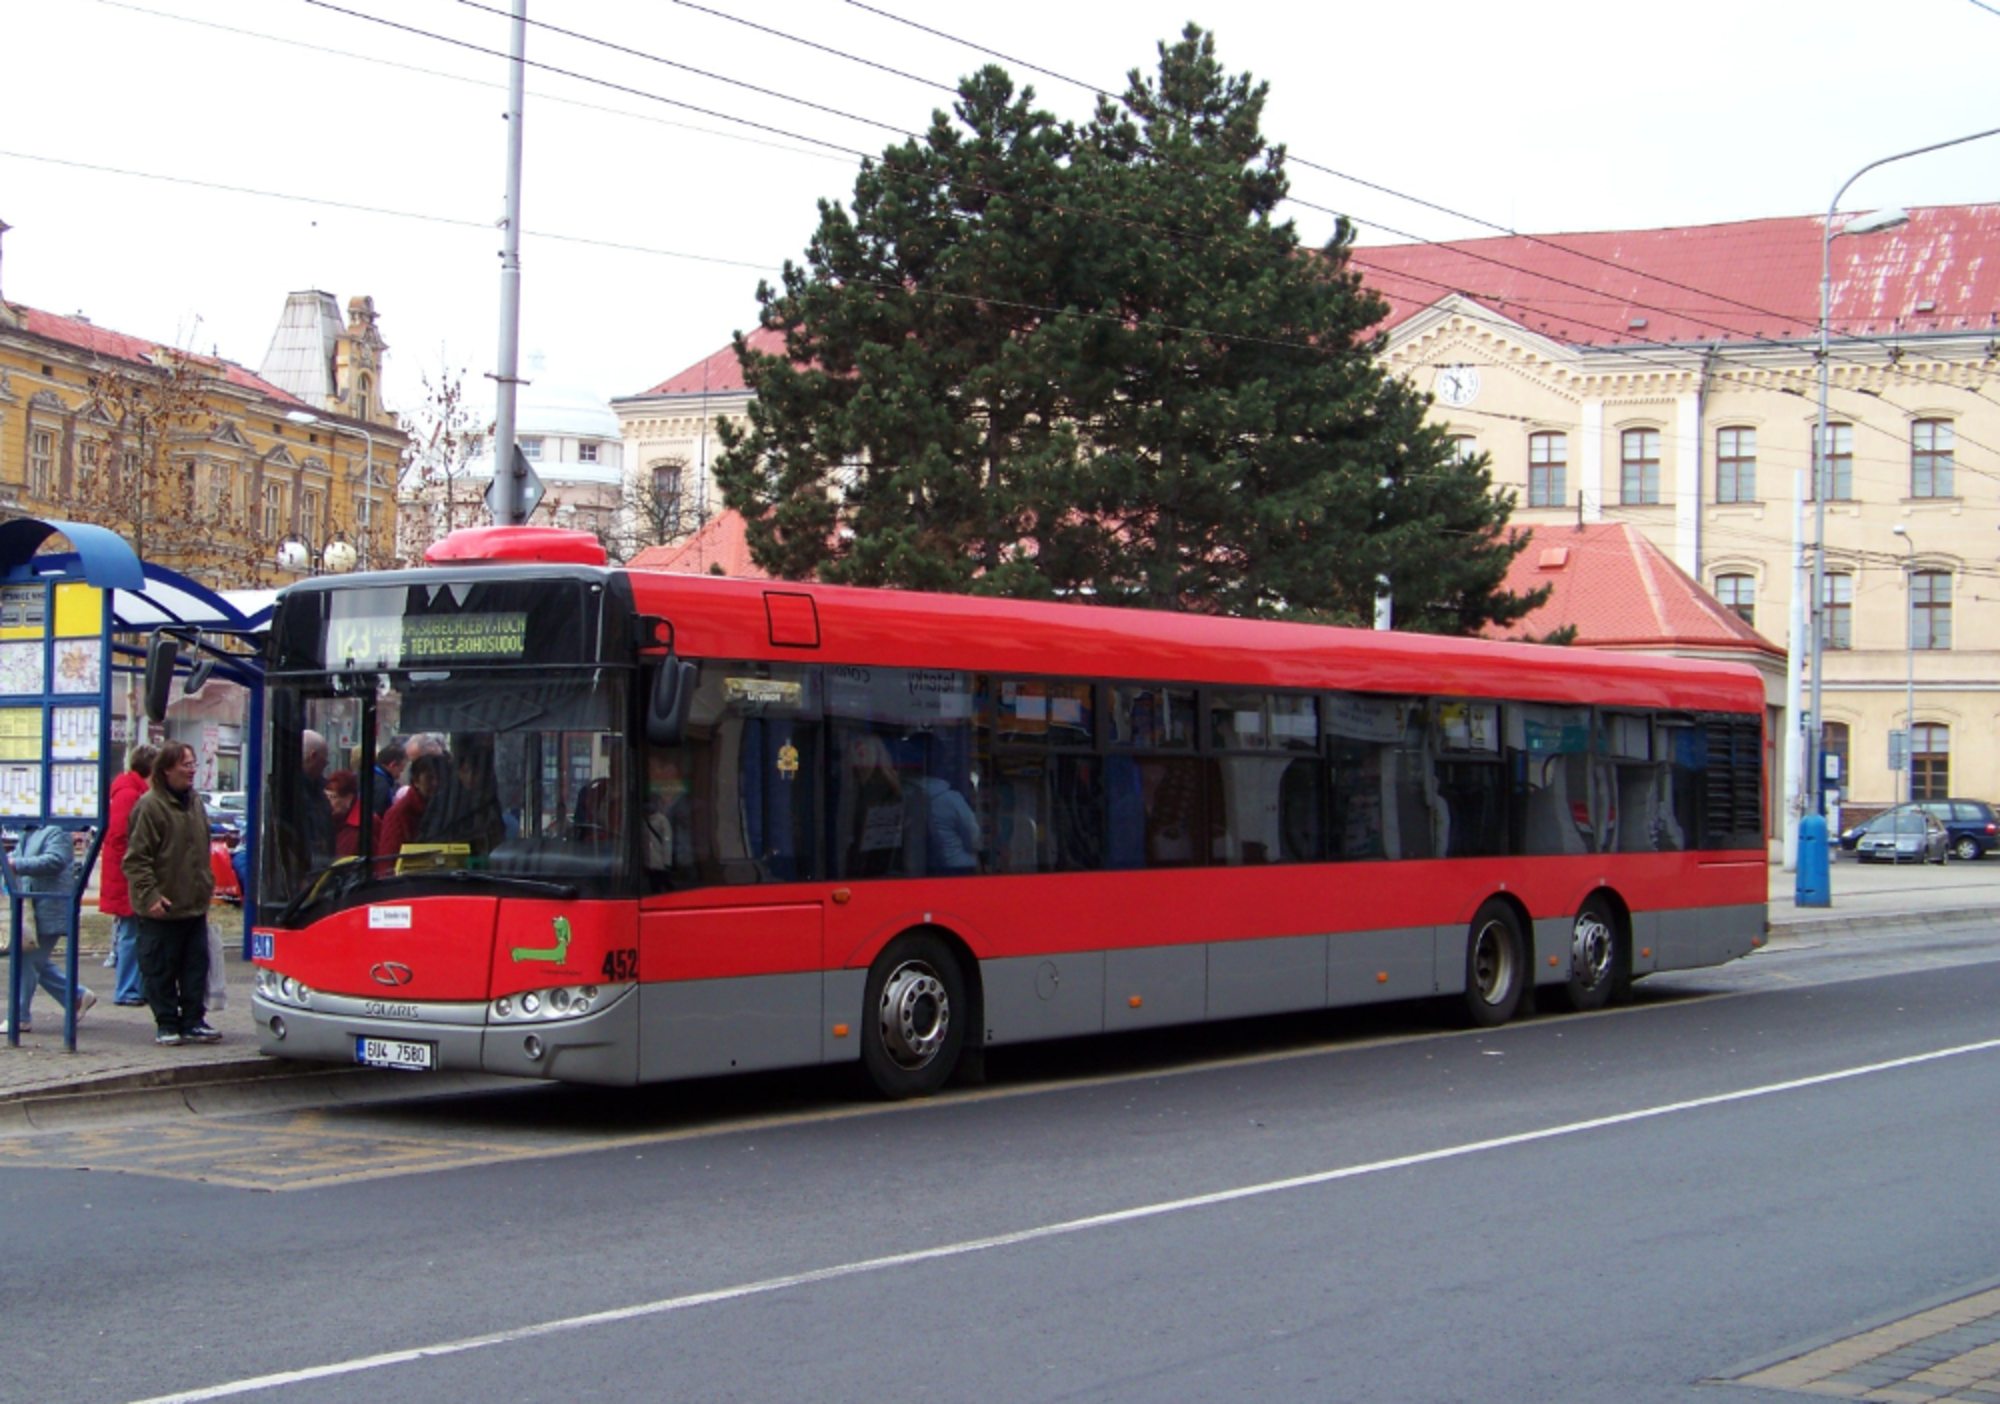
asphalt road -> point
(1631, 1206)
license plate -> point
(395, 1053)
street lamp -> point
(367, 482)
(1807, 604)
(1907, 781)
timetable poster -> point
(21, 668)
(20, 790)
(20, 733)
(73, 791)
(73, 733)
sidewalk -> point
(115, 1052)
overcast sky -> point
(1541, 115)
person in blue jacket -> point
(47, 863)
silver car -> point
(1909, 836)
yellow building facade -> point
(1670, 380)
(205, 467)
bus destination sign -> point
(402, 641)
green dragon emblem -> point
(553, 954)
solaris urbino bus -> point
(676, 826)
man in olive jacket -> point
(167, 869)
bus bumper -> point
(601, 1047)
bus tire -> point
(1496, 965)
(1596, 955)
(914, 1023)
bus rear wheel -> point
(914, 1024)
(1496, 965)
(1596, 957)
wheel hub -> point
(914, 1014)
(1492, 963)
(1590, 948)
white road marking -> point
(769, 1285)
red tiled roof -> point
(720, 372)
(1947, 256)
(720, 542)
(102, 341)
(1621, 591)
(1757, 280)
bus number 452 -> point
(621, 965)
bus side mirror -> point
(667, 708)
(162, 652)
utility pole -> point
(505, 496)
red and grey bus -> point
(667, 826)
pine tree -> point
(1048, 361)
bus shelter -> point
(61, 614)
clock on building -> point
(1456, 385)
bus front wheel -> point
(914, 1026)
(1496, 965)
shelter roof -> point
(1619, 590)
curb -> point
(1888, 924)
(225, 1089)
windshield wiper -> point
(343, 878)
(480, 877)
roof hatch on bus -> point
(794, 619)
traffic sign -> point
(529, 491)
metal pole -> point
(368, 498)
(1910, 678)
(506, 491)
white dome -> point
(552, 409)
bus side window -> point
(752, 748)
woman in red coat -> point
(399, 825)
(114, 897)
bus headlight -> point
(283, 989)
(543, 1006)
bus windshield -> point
(506, 779)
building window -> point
(41, 462)
(1548, 469)
(1836, 619)
(219, 475)
(88, 453)
(132, 464)
(1931, 462)
(364, 392)
(1639, 467)
(1736, 465)
(1738, 595)
(1464, 447)
(1838, 467)
(1834, 741)
(531, 449)
(309, 514)
(1930, 609)
(274, 511)
(1930, 762)
(667, 492)
(586, 453)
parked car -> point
(1972, 824)
(226, 812)
(1908, 834)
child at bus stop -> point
(50, 872)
